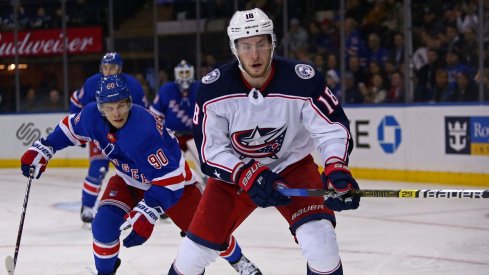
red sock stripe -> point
(230, 250)
(91, 188)
(105, 251)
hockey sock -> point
(105, 230)
(233, 253)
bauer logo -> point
(467, 135)
(389, 134)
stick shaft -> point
(22, 217)
(382, 193)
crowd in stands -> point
(39, 14)
(445, 46)
(444, 41)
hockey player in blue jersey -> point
(110, 64)
(151, 173)
(175, 102)
(257, 120)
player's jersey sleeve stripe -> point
(334, 138)
(156, 112)
(66, 126)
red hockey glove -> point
(36, 156)
(260, 184)
(142, 218)
(338, 176)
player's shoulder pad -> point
(296, 69)
(220, 74)
(219, 82)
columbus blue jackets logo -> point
(304, 71)
(211, 77)
(259, 142)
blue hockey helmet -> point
(112, 88)
(184, 74)
(111, 58)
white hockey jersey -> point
(292, 115)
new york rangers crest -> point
(304, 71)
(259, 142)
(211, 77)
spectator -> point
(31, 103)
(41, 20)
(442, 90)
(466, 89)
(375, 92)
(54, 102)
(333, 83)
(375, 51)
(452, 38)
(319, 63)
(396, 53)
(298, 37)
(468, 17)
(355, 9)
(353, 94)
(396, 91)
(354, 44)
(359, 72)
(454, 66)
(57, 20)
(374, 17)
(469, 48)
(426, 74)
(304, 56)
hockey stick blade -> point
(374, 193)
(10, 265)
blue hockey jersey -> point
(146, 155)
(176, 109)
(278, 125)
(86, 93)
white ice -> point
(384, 236)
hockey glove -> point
(142, 218)
(338, 176)
(260, 184)
(36, 156)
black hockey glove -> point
(338, 176)
(260, 184)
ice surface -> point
(384, 236)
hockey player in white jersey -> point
(256, 122)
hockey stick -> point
(382, 193)
(9, 261)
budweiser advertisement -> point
(51, 42)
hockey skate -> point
(86, 214)
(245, 267)
(117, 264)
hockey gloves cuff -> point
(37, 156)
(338, 177)
(260, 184)
(142, 218)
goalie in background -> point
(151, 174)
(174, 104)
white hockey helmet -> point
(249, 23)
(184, 74)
